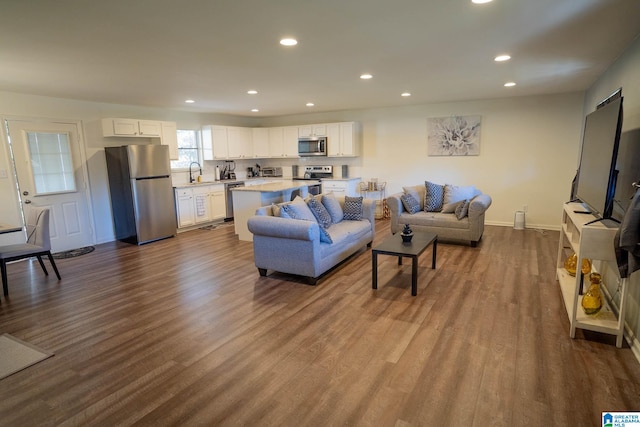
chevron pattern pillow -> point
(352, 208)
(320, 212)
(434, 198)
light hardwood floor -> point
(185, 332)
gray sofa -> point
(293, 246)
(446, 225)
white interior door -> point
(49, 161)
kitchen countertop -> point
(276, 187)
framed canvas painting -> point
(453, 136)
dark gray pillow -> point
(410, 203)
(324, 236)
(462, 209)
(333, 207)
(352, 208)
(320, 212)
(434, 198)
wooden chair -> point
(38, 244)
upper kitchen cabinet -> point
(170, 137)
(283, 142)
(308, 131)
(214, 143)
(226, 142)
(239, 143)
(260, 138)
(342, 139)
(131, 128)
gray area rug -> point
(73, 252)
(16, 355)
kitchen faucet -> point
(190, 174)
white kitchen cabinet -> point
(239, 144)
(290, 142)
(170, 138)
(283, 142)
(214, 143)
(341, 187)
(226, 142)
(218, 202)
(307, 131)
(131, 128)
(260, 138)
(200, 204)
(185, 207)
(342, 140)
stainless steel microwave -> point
(313, 146)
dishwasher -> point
(229, 198)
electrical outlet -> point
(3, 174)
(525, 208)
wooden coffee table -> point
(394, 245)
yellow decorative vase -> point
(592, 300)
(572, 261)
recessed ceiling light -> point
(310, 104)
(509, 84)
(502, 58)
(254, 110)
(189, 101)
(481, 1)
(366, 76)
(252, 92)
(405, 94)
(288, 42)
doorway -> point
(49, 166)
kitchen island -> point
(247, 199)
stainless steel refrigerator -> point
(141, 192)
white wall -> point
(624, 73)
(528, 154)
(90, 113)
(529, 148)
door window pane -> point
(51, 162)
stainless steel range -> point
(318, 172)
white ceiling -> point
(160, 52)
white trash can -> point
(518, 220)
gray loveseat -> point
(446, 214)
(294, 246)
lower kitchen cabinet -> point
(200, 204)
(341, 187)
(185, 208)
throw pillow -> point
(463, 209)
(454, 193)
(276, 209)
(353, 208)
(333, 207)
(324, 236)
(410, 203)
(301, 209)
(434, 198)
(284, 213)
(451, 207)
(320, 212)
(418, 192)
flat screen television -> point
(628, 169)
(596, 178)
